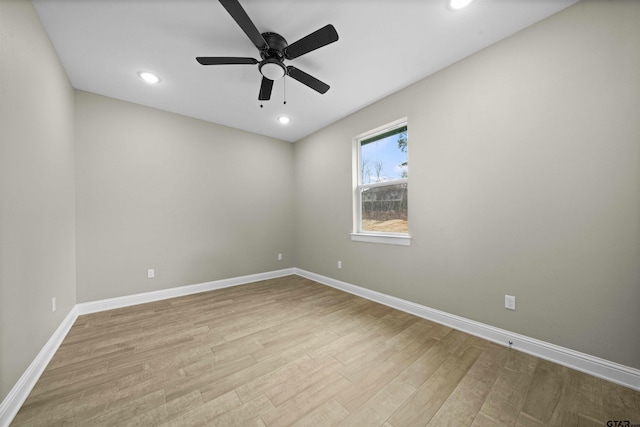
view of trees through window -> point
(384, 171)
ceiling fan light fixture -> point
(458, 4)
(272, 69)
(284, 120)
(149, 77)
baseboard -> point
(126, 301)
(605, 369)
(20, 391)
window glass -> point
(381, 204)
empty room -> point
(273, 213)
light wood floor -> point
(290, 351)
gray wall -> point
(524, 179)
(37, 240)
(193, 200)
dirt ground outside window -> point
(392, 225)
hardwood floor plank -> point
(236, 379)
(380, 348)
(59, 411)
(589, 398)
(245, 414)
(415, 348)
(306, 401)
(62, 369)
(329, 414)
(507, 396)
(547, 386)
(304, 339)
(357, 393)
(467, 398)
(68, 378)
(129, 409)
(423, 367)
(205, 413)
(183, 404)
(289, 351)
(330, 350)
(65, 391)
(525, 420)
(152, 417)
(619, 404)
(365, 346)
(206, 377)
(483, 420)
(380, 406)
(581, 402)
(402, 349)
(259, 385)
(211, 363)
(425, 402)
(296, 385)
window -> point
(381, 177)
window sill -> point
(386, 239)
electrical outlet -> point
(53, 304)
(279, 257)
(510, 302)
(151, 273)
(339, 265)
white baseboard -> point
(20, 391)
(125, 301)
(605, 369)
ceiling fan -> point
(274, 49)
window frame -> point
(357, 234)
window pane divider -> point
(384, 183)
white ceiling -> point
(384, 45)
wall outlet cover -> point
(510, 302)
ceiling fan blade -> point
(322, 37)
(224, 60)
(307, 80)
(242, 19)
(265, 89)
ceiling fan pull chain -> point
(284, 82)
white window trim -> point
(386, 239)
(402, 239)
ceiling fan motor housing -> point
(276, 43)
(272, 66)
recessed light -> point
(458, 4)
(149, 77)
(284, 119)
